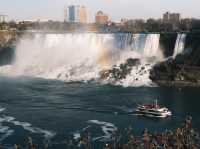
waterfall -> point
(79, 57)
(180, 45)
(151, 48)
(138, 42)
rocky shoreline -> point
(179, 84)
(167, 73)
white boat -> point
(153, 110)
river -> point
(55, 110)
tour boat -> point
(153, 110)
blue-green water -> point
(56, 110)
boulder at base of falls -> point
(172, 73)
(121, 71)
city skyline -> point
(131, 9)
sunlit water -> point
(54, 110)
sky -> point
(116, 9)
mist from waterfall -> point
(180, 45)
(79, 57)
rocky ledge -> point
(184, 70)
(166, 73)
(171, 73)
(121, 71)
(7, 39)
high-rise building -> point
(3, 18)
(175, 17)
(166, 17)
(101, 18)
(83, 14)
(72, 13)
(171, 17)
(77, 14)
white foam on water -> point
(101, 123)
(77, 135)
(107, 128)
(27, 126)
(2, 109)
(3, 129)
(6, 69)
(5, 118)
(6, 131)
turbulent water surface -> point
(54, 110)
(52, 88)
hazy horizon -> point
(131, 9)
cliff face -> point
(7, 38)
(184, 70)
(193, 45)
(7, 43)
(167, 43)
(169, 73)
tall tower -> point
(83, 14)
(166, 17)
(72, 13)
(77, 14)
(65, 14)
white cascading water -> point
(138, 42)
(180, 45)
(80, 57)
(152, 46)
(148, 46)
